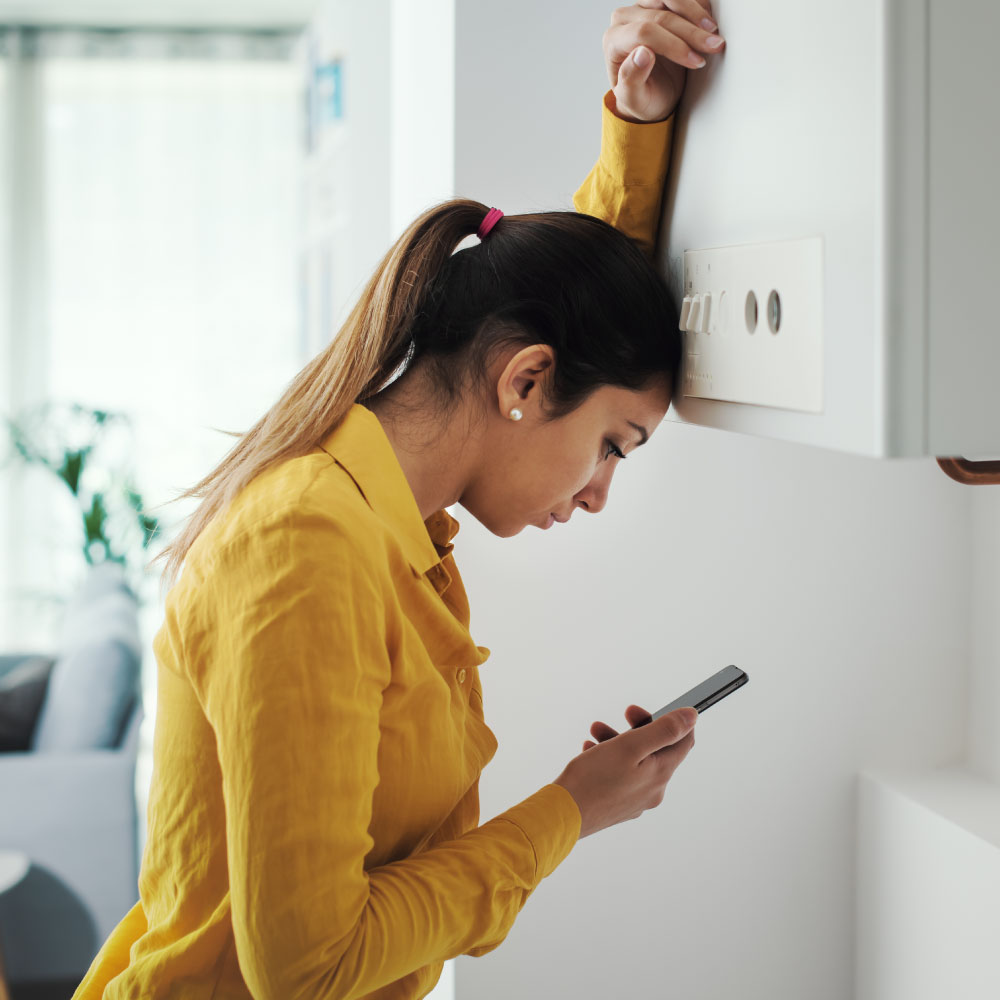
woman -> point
(313, 814)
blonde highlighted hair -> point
(370, 346)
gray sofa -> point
(68, 800)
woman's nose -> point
(593, 496)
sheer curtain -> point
(152, 270)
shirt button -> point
(461, 676)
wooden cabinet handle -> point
(971, 473)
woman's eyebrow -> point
(641, 430)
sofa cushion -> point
(103, 607)
(95, 680)
(22, 691)
(91, 690)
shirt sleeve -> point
(625, 187)
(301, 615)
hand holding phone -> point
(621, 778)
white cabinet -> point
(869, 130)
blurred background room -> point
(191, 194)
(151, 259)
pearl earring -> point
(516, 414)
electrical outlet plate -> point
(752, 321)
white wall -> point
(422, 86)
(841, 584)
(984, 702)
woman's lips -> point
(552, 520)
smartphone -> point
(726, 681)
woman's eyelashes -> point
(613, 449)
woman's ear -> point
(522, 378)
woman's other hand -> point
(648, 49)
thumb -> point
(635, 70)
(664, 731)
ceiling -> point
(162, 13)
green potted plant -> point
(86, 450)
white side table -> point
(13, 867)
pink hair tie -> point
(493, 216)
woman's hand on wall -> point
(648, 49)
(626, 773)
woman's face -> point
(537, 471)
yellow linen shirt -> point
(313, 819)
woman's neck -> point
(436, 450)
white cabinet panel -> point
(873, 127)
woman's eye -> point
(613, 449)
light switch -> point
(686, 311)
(706, 313)
(695, 313)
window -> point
(152, 270)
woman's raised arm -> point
(647, 50)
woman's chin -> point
(507, 530)
(501, 527)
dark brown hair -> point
(560, 278)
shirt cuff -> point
(638, 153)
(551, 821)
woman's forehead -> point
(650, 403)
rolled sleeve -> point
(550, 820)
(625, 186)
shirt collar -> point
(360, 445)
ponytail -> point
(372, 344)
